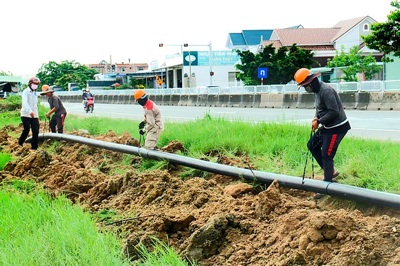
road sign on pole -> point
(262, 74)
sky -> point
(36, 32)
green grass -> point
(38, 230)
(370, 164)
(10, 111)
(160, 255)
(99, 125)
(281, 148)
(271, 147)
(4, 159)
(10, 118)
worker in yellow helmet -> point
(330, 123)
(153, 123)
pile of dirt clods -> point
(215, 220)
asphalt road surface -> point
(378, 125)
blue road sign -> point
(262, 72)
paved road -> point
(380, 125)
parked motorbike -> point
(89, 104)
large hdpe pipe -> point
(333, 189)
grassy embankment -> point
(278, 148)
(38, 230)
(272, 147)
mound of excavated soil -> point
(215, 220)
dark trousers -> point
(57, 120)
(323, 146)
(30, 124)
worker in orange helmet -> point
(330, 123)
(153, 123)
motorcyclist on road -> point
(84, 98)
(86, 93)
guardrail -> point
(365, 86)
(350, 100)
(367, 95)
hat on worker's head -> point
(139, 94)
(34, 80)
(46, 89)
(304, 76)
(141, 97)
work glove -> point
(141, 131)
(142, 125)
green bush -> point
(11, 103)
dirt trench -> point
(213, 219)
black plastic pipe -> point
(333, 189)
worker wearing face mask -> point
(330, 122)
(153, 123)
(29, 113)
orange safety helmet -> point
(139, 94)
(301, 75)
(304, 76)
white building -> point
(198, 68)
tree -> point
(66, 72)
(353, 63)
(281, 64)
(385, 36)
(136, 83)
(4, 73)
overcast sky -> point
(89, 31)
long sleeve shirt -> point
(329, 109)
(29, 103)
(153, 117)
